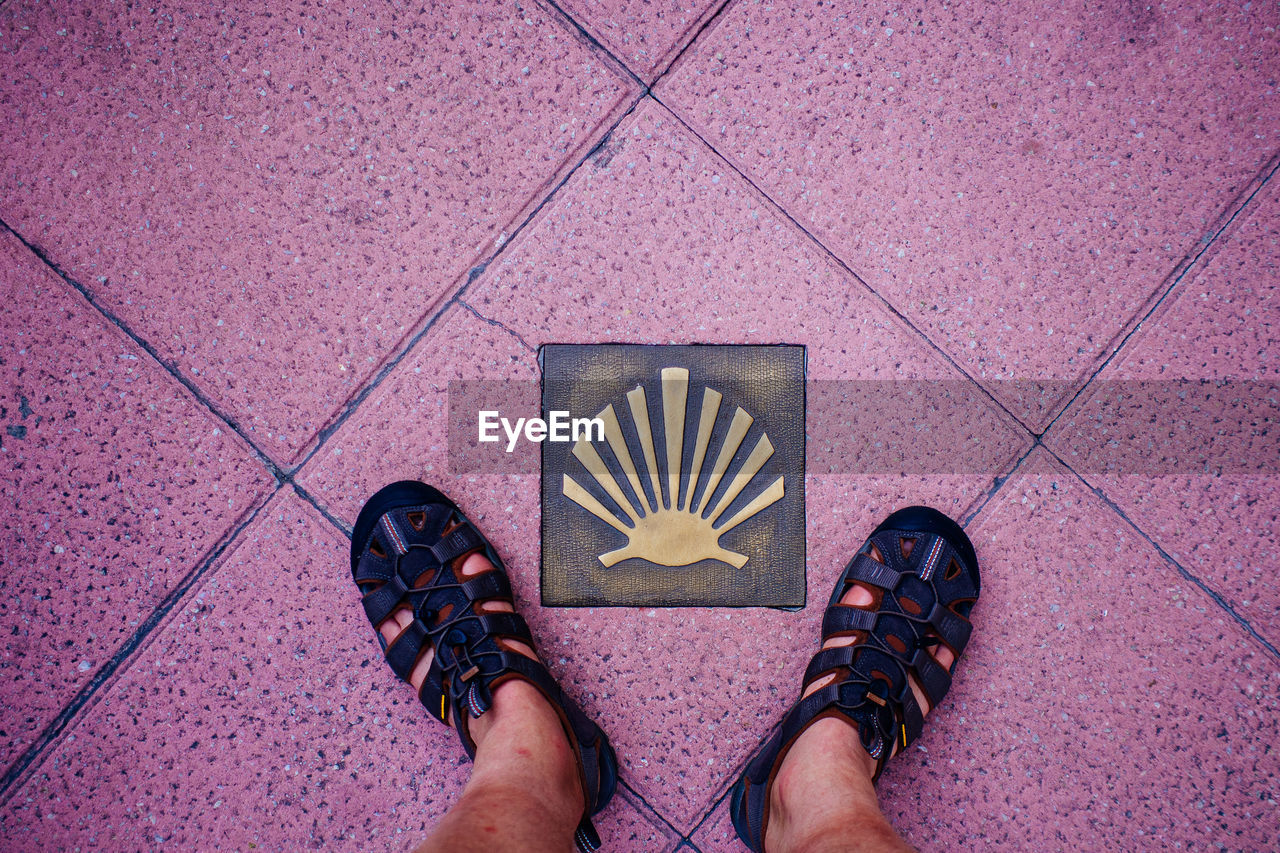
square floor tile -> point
(1196, 464)
(691, 490)
(270, 208)
(1016, 179)
(116, 483)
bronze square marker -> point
(687, 489)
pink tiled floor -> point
(244, 252)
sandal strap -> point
(470, 658)
(865, 570)
(934, 678)
(382, 601)
(953, 629)
(403, 652)
(463, 539)
(374, 568)
(488, 585)
(585, 838)
(843, 619)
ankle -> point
(839, 815)
(853, 829)
(828, 751)
(822, 789)
(522, 737)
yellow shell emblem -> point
(673, 533)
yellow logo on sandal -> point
(675, 531)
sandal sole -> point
(912, 519)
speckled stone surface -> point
(681, 717)
(1016, 179)
(262, 716)
(991, 189)
(645, 34)
(267, 204)
(1104, 703)
(114, 482)
(1220, 323)
(657, 240)
(401, 431)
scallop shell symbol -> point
(674, 533)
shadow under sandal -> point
(409, 533)
(923, 588)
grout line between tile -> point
(581, 32)
(715, 804)
(712, 19)
(1184, 269)
(664, 64)
(885, 303)
(1168, 558)
(318, 507)
(275, 469)
(633, 794)
(379, 376)
(976, 506)
(18, 772)
(551, 196)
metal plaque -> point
(678, 476)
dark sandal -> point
(409, 529)
(922, 594)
